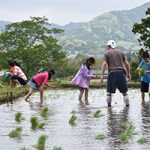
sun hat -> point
(111, 43)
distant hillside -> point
(91, 37)
(68, 27)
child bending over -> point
(39, 82)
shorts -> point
(20, 80)
(117, 79)
(33, 84)
(81, 88)
(144, 87)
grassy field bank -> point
(20, 91)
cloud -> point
(62, 11)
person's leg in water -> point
(86, 96)
(41, 89)
(111, 86)
(143, 96)
(80, 94)
(126, 99)
(144, 89)
(149, 91)
(109, 99)
(29, 94)
(122, 86)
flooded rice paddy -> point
(81, 136)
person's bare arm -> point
(104, 64)
(51, 86)
(128, 69)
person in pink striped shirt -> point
(39, 82)
(16, 73)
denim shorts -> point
(33, 84)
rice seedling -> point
(142, 141)
(18, 116)
(72, 120)
(100, 137)
(16, 133)
(40, 125)
(57, 148)
(23, 148)
(124, 137)
(97, 114)
(41, 142)
(34, 122)
(128, 132)
(73, 112)
(44, 112)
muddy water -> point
(82, 136)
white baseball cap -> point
(112, 43)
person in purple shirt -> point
(83, 77)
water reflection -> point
(145, 113)
(114, 122)
(81, 136)
(85, 129)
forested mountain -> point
(90, 37)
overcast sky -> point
(62, 11)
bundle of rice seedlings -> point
(142, 140)
(18, 116)
(41, 142)
(57, 148)
(72, 120)
(100, 137)
(34, 122)
(16, 133)
(97, 114)
(44, 112)
(128, 132)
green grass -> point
(142, 141)
(16, 133)
(18, 116)
(128, 132)
(72, 120)
(44, 112)
(41, 142)
(57, 148)
(100, 137)
(16, 92)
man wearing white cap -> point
(118, 69)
